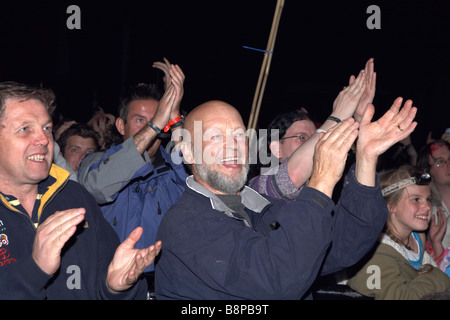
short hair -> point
(77, 129)
(425, 153)
(284, 121)
(24, 92)
(141, 91)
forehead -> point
(142, 107)
(306, 126)
(222, 121)
(415, 190)
(79, 140)
(23, 109)
(441, 152)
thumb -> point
(368, 114)
(133, 238)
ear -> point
(186, 150)
(274, 147)
(120, 125)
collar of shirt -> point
(250, 198)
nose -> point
(42, 137)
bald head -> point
(214, 142)
(214, 109)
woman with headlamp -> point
(400, 268)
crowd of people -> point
(106, 210)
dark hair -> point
(425, 153)
(141, 91)
(81, 130)
(284, 121)
(24, 92)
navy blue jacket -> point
(209, 252)
(85, 257)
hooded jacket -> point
(84, 258)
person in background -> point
(298, 136)
(400, 268)
(76, 142)
(55, 244)
(137, 181)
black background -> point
(319, 45)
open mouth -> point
(422, 217)
(38, 158)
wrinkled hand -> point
(369, 90)
(129, 263)
(345, 104)
(378, 136)
(330, 155)
(52, 235)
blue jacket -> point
(131, 190)
(209, 252)
(85, 257)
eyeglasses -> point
(439, 162)
(420, 178)
(300, 137)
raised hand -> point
(330, 155)
(345, 104)
(177, 80)
(369, 90)
(52, 235)
(129, 263)
(395, 125)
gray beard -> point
(221, 182)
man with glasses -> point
(297, 137)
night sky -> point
(319, 45)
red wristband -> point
(171, 122)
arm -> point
(344, 106)
(330, 155)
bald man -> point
(223, 240)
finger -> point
(352, 78)
(133, 238)
(357, 84)
(60, 217)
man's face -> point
(75, 150)
(224, 153)
(140, 112)
(26, 143)
(304, 128)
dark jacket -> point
(131, 190)
(85, 257)
(209, 252)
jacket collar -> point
(47, 188)
(250, 198)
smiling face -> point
(220, 163)
(413, 210)
(26, 144)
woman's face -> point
(413, 211)
(440, 165)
